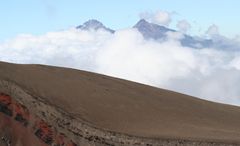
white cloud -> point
(235, 63)
(208, 73)
(159, 17)
(183, 26)
(213, 30)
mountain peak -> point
(142, 21)
(95, 25)
(151, 30)
(158, 32)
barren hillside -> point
(43, 105)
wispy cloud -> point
(183, 26)
(50, 9)
(159, 17)
(213, 30)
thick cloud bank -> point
(207, 73)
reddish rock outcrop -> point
(17, 124)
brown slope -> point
(127, 107)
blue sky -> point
(41, 16)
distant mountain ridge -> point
(152, 31)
